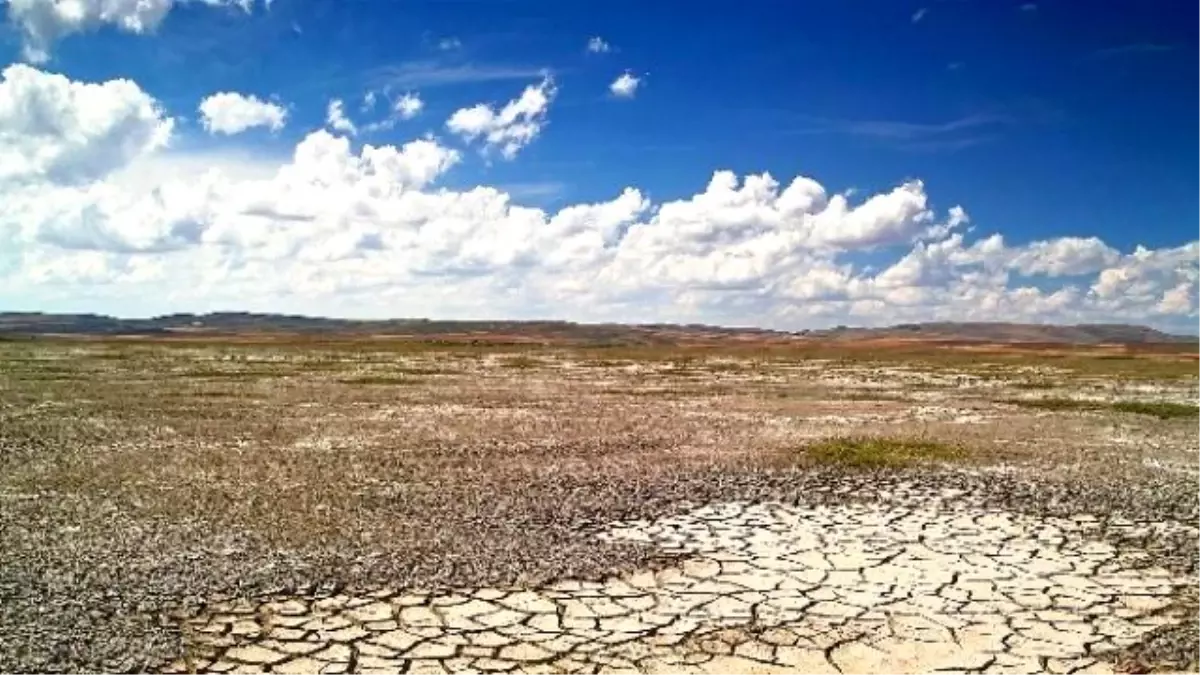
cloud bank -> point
(365, 230)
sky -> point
(778, 164)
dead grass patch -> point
(235, 374)
(870, 396)
(1034, 384)
(521, 362)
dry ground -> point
(138, 477)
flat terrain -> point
(378, 505)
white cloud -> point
(1068, 256)
(883, 219)
(99, 217)
(625, 86)
(232, 113)
(408, 106)
(1178, 300)
(1150, 278)
(56, 129)
(325, 185)
(597, 45)
(511, 128)
(448, 44)
(335, 118)
(369, 99)
(919, 14)
(335, 229)
(43, 22)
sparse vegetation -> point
(1054, 404)
(869, 395)
(381, 380)
(520, 362)
(437, 463)
(874, 453)
(1034, 384)
(1163, 410)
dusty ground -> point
(146, 488)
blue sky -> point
(1043, 120)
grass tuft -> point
(1034, 384)
(869, 453)
(1054, 404)
(868, 395)
(1163, 410)
(380, 379)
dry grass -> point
(1035, 384)
(292, 441)
(310, 448)
(185, 466)
(520, 362)
(402, 380)
(871, 396)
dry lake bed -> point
(382, 506)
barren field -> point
(384, 506)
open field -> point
(325, 505)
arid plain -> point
(302, 504)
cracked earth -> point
(922, 581)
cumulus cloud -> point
(511, 128)
(625, 86)
(597, 45)
(1178, 300)
(1066, 256)
(341, 229)
(55, 129)
(325, 185)
(43, 22)
(232, 113)
(1162, 279)
(408, 106)
(335, 118)
(99, 217)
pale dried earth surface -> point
(384, 508)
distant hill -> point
(242, 323)
(1081, 334)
